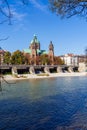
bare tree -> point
(5, 11)
(4, 80)
(2, 39)
(69, 8)
(6, 17)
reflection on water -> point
(44, 104)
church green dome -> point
(35, 40)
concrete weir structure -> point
(34, 69)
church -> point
(2, 52)
(34, 50)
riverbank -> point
(50, 75)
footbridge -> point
(20, 69)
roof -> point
(35, 40)
(27, 51)
(43, 51)
(38, 51)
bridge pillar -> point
(70, 69)
(32, 70)
(46, 70)
(59, 69)
(14, 71)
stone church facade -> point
(2, 52)
(34, 50)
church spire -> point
(51, 47)
(51, 52)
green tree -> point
(44, 59)
(69, 8)
(17, 58)
(58, 61)
(7, 57)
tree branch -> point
(69, 8)
(4, 38)
(3, 21)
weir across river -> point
(20, 69)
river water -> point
(44, 104)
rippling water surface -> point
(44, 104)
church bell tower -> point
(51, 52)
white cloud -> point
(18, 16)
(38, 5)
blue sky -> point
(67, 35)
